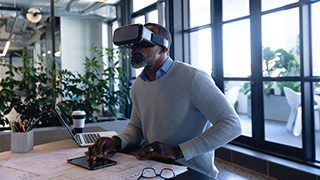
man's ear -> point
(164, 49)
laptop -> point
(83, 139)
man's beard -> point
(140, 60)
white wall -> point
(77, 35)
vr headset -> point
(137, 35)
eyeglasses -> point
(165, 173)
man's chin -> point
(138, 64)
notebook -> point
(83, 139)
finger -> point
(93, 152)
(89, 153)
(94, 163)
(151, 155)
(143, 152)
(100, 146)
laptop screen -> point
(64, 122)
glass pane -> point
(280, 41)
(3, 69)
(316, 38)
(153, 16)
(316, 86)
(270, 4)
(238, 93)
(201, 54)
(139, 4)
(199, 13)
(139, 19)
(236, 49)
(234, 9)
(115, 25)
(282, 113)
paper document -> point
(53, 165)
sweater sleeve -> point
(132, 135)
(211, 102)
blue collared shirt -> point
(163, 70)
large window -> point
(281, 58)
(237, 59)
(315, 17)
(201, 51)
(258, 65)
(263, 55)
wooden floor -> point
(230, 171)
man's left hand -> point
(161, 151)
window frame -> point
(257, 142)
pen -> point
(12, 127)
(15, 125)
(20, 122)
(30, 127)
(24, 130)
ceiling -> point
(15, 26)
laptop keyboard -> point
(90, 138)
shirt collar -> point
(162, 70)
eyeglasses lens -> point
(167, 174)
(149, 173)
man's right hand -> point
(103, 146)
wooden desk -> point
(56, 168)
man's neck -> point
(152, 69)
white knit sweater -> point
(183, 108)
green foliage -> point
(32, 89)
(278, 63)
(97, 88)
(29, 90)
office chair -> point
(232, 95)
(317, 112)
(294, 101)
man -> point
(177, 110)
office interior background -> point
(258, 52)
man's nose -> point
(135, 47)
